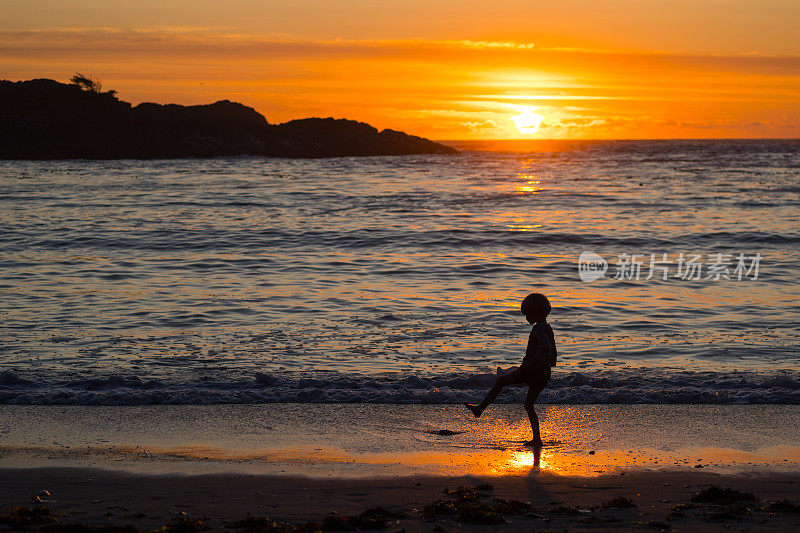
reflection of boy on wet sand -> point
(535, 369)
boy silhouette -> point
(540, 355)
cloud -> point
(177, 39)
(480, 126)
(199, 39)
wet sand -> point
(369, 440)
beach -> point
(149, 466)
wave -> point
(380, 238)
(602, 387)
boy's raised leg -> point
(501, 382)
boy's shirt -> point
(541, 344)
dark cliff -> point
(44, 119)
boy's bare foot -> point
(535, 443)
(474, 408)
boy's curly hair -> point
(536, 304)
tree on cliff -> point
(89, 84)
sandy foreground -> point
(149, 502)
(312, 467)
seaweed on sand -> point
(715, 503)
(372, 518)
(620, 502)
(41, 519)
(185, 524)
(783, 506)
(473, 505)
(261, 524)
(718, 496)
(25, 517)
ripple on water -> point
(176, 270)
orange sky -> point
(617, 69)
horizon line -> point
(639, 139)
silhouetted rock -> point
(44, 119)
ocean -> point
(398, 279)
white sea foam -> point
(609, 387)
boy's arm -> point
(533, 344)
(551, 337)
(539, 347)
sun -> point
(527, 122)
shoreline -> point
(365, 441)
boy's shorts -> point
(535, 376)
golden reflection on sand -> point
(514, 461)
(582, 441)
(523, 462)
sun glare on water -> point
(527, 122)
